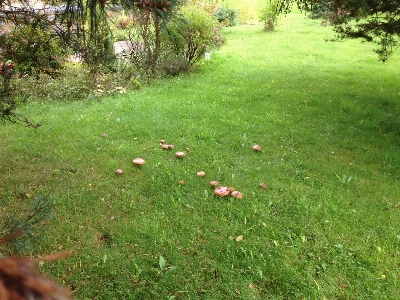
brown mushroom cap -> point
(201, 173)
(138, 161)
(214, 183)
(119, 171)
(237, 195)
(221, 191)
(256, 147)
(180, 154)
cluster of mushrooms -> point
(220, 191)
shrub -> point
(208, 5)
(270, 15)
(125, 22)
(33, 48)
(74, 83)
(190, 36)
(226, 16)
(175, 65)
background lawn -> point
(326, 226)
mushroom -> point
(231, 188)
(118, 172)
(162, 142)
(237, 195)
(214, 183)
(262, 185)
(171, 146)
(201, 173)
(256, 147)
(164, 146)
(180, 154)
(221, 191)
(138, 161)
(181, 182)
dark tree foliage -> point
(376, 21)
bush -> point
(33, 48)
(226, 16)
(191, 36)
(175, 65)
(270, 15)
(74, 83)
(209, 6)
(125, 22)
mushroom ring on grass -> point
(221, 191)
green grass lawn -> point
(326, 226)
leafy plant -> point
(125, 21)
(161, 263)
(344, 178)
(192, 34)
(226, 16)
(175, 65)
(33, 48)
(151, 18)
(269, 15)
(75, 83)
